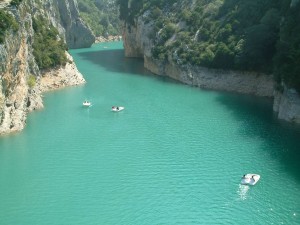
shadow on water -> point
(281, 139)
(115, 61)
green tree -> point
(15, 2)
(101, 16)
(232, 34)
(286, 61)
(48, 48)
(7, 21)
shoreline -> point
(15, 116)
(58, 78)
(102, 39)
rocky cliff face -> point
(77, 34)
(287, 105)
(21, 81)
(234, 81)
(138, 44)
(64, 15)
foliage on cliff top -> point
(287, 59)
(7, 21)
(229, 34)
(48, 48)
(101, 16)
(16, 2)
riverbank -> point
(102, 39)
(21, 80)
(137, 43)
(17, 107)
(61, 77)
(147, 157)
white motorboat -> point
(250, 179)
(117, 108)
(86, 103)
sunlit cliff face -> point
(20, 75)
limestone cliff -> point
(64, 15)
(77, 34)
(287, 105)
(21, 81)
(137, 43)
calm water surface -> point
(175, 155)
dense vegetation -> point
(101, 16)
(7, 22)
(16, 2)
(229, 34)
(48, 48)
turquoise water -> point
(175, 155)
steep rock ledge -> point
(16, 97)
(61, 77)
(17, 63)
(233, 81)
(77, 34)
(64, 15)
(138, 44)
(287, 105)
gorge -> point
(176, 154)
(23, 77)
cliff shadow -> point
(114, 60)
(281, 139)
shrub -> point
(48, 48)
(7, 22)
(15, 2)
(31, 81)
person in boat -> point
(244, 176)
(117, 108)
(253, 178)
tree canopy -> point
(48, 48)
(230, 34)
(101, 16)
(7, 21)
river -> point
(175, 155)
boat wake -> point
(243, 191)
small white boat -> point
(86, 103)
(250, 179)
(117, 108)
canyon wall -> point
(21, 80)
(137, 43)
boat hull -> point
(250, 179)
(117, 109)
(86, 104)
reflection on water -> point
(175, 160)
(243, 191)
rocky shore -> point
(21, 81)
(137, 43)
(61, 77)
(25, 100)
(107, 39)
